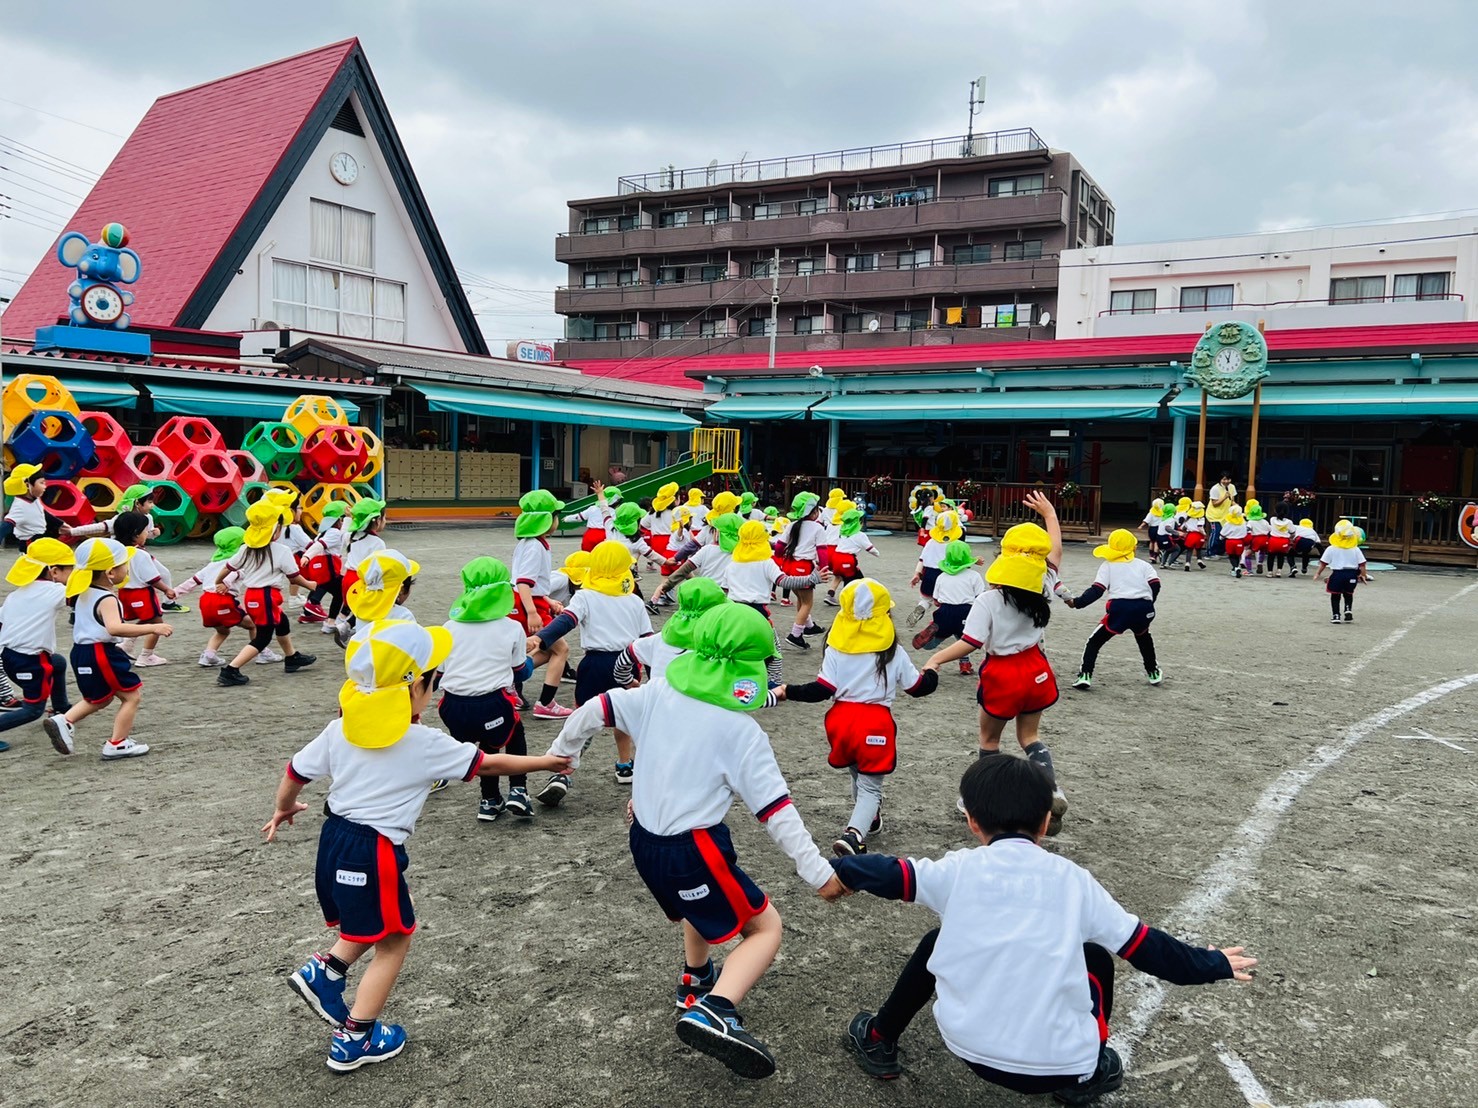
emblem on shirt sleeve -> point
(746, 691)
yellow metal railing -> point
(719, 445)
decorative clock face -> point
(102, 304)
(1228, 361)
(344, 168)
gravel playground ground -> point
(1303, 789)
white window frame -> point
(339, 262)
(296, 312)
(712, 214)
(1416, 280)
(1136, 305)
(805, 267)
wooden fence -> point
(995, 506)
(1395, 528)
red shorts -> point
(220, 610)
(923, 537)
(520, 613)
(661, 545)
(1260, 542)
(862, 735)
(140, 605)
(591, 539)
(1194, 540)
(794, 567)
(264, 607)
(845, 566)
(1279, 544)
(322, 568)
(1014, 685)
(350, 578)
(1234, 547)
(824, 554)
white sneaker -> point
(151, 659)
(61, 733)
(328, 627)
(295, 602)
(268, 656)
(131, 647)
(918, 613)
(126, 749)
(209, 658)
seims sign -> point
(526, 350)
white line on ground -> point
(1400, 633)
(1427, 736)
(1236, 864)
(1257, 1097)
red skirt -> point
(862, 735)
(140, 605)
(220, 610)
(845, 566)
(520, 613)
(1014, 685)
(592, 538)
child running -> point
(800, 559)
(533, 606)
(324, 566)
(1193, 534)
(687, 778)
(220, 613)
(1280, 539)
(102, 670)
(656, 652)
(955, 590)
(1151, 525)
(261, 569)
(1305, 541)
(1345, 562)
(1131, 587)
(752, 577)
(597, 517)
(140, 593)
(1257, 537)
(831, 531)
(366, 521)
(945, 530)
(1046, 957)
(382, 764)
(26, 519)
(863, 669)
(28, 651)
(852, 542)
(1234, 538)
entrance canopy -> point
(1037, 405)
(544, 407)
(233, 400)
(1364, 401)
(779, 406)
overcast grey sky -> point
(1198, 118)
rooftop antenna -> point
(977, 101)
(742, 170)
(712, 170)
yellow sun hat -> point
(778, 524)
(610, 570)
(1156, 504)
(1309, 523)
(283, 498)
(695, 497)
(665, 497)
(862, 625)
(38, 556)
(1119, 548)
(262, 520)
(19, 478)
(1235, 516)
(834, 497)
(1198, 510)
(754, 543)
(1345, 535)
(93, 556)
(681, 518)
(841, 508)
(1183, 504)
(382, 666)
(723, 503)
(380, 577)
(1253, 503)
(1022, 563)
(946, 527)
(577, 567)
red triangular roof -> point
(184, 181)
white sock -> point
(796, 629)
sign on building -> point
(526, 350)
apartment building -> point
(919, 243)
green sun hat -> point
(803, 504)
(132, 495)
(958, 557)
(746, 503)
(772, 513)
(851, 522)
(628, 519)
(695, 596)
(726, 664)
(536, 514)
(614, 496)
(228, 541)
(334, 509)
(727, 526)
(487, 592)
(365, 511)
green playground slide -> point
(686, 472)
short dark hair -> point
(1006, 795)
(128, 526)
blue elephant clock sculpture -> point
(98, 312)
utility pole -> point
(774, 304)
(977, 99)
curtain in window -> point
(359, 239)
(324, 241)
(1219, 296)
(289, 282)
(323, 301)
(357, 302)
(389, 311)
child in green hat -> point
(694, 597)
(532, 567)
(955, 590)
(687, 778)
(220, 612)
(323, 564)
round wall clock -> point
(1229, 360)
(344, 168)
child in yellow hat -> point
(863, 669)
(800, 558)
(1151, 525)
(1193, 534)
(831, 532)
(26, 518)
(1234, 537)
(28, 631)
(1345, 562)
(610, 615)
(1131, 587)
(955, 590)
(753, 576)
(946, 528)
(1280, 538)
(102, 670)
(261, 569)
(381, 763)
(383, 584)
(661, 521)
(1007, 621)
(220, 613)
(1305, 541)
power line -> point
(37, 209)
(63, 118)
(92, 173)
(1262, 253)
(65, 174)
(66, 193)
(29, 223)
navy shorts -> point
(949, 620)
(1128, 615)
(1302, 546)
(489, 719)
(1343, 581)
(595, 674)
(927, 579)
(103, 671)
(360, 881)
(693, 877)
(35, 675)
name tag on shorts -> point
(493, 723)
(85, 669)
(877, 740)
(349, 877)
(22, 676)
(693, 894)
(1041, 677)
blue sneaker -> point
(721, 1034)
(326, 997)
(348, 1052)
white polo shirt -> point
(609, 623)
(384, 788)
(751, 582)
(932, 556)
(597, 516)
(335, 540)
(1028, 962)
(711, 561)
(655, 653)
(28, 516)
(483, 657)
(531, 565)
(997, 628)
(28, 617)
(1127, 580)
(266, 568)
(854, 677)
(958, 588)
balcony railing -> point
(1314, 301)
(1023, 140)
(788, 272)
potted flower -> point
(1069, 492)
(1300, 498)
(968, 488)
(1430, 502)
(427, 438)
(881, 483)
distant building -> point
(922, 243)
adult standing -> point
(1219, 501)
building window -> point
(852, 322)
(599, 226)
(810, 324)
(626, 223)
(805, 267)
(600, 279)
(1421, 286)
(970, 255)
(766, 211)
(708, 328)
(673, 219)
(760, 326)
(1204, 298)
(626, 277)
(343, 236)
(615, 330)
(672, 274)
(337, 303)
(808, 207)
(669, 330)
(717, 214)
(761, 269)
(911, 321)
(1357, 290)
(713, 273)
(860, 263)
(915, 259)
(1024, 185)
(1029, 250)
(1132, 302)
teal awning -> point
(233, 400)
(1039, 405)
(733, 409)
(91, 394)
(1368, 401)
(548, 407)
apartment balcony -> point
(836, 285)
(946, 213)
(1287, 315)
(831, 341)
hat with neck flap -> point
(1235, 515)
(380, 577)
(536, 514)
(746, 502)
(851, 522)
(1022, 563)
(946, 526)
(694, 597)
(666, 497)
(1254, 510)
(862, 625)
(42, 552)
(803, 504)
(841, 509)
(20, 478)
(131, 496)
(695, 497)
(1345, 535)
(228, 541)
(334, 509)
(365, 512)
(723, 503)
(610, 570)
(1167, 512)
(1307, 524)
(754, 543)
(1119, 548)
(95, 556)
(262, 521)
(727, 526)
(726, 664)
(487, 592)
(577, 568)
(1198, 510)
(627, 519)
(958, 557)
(382, 667)
(834, 497)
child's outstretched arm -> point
(113, 622)
(955, 650)
(1152, 951)
(1039, 503)
(506, 765)
(880, 874)
(287, 805)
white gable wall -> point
(397, 252)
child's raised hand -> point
(1241, 963)
(1037, 501)
(280, 817)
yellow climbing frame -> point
(719, 445)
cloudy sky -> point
(1199, 118)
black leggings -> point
(333, 587)
(1334, 601)
(517, 744)
(263, 635)
(1102, 635)
(915, 987)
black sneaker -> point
(814, 629)
(693, 987)
(722, 1035)
(298, 660)
(518, 804)
(489, 809)
(1106, 1078)
(1334, 618)
(1349, 617)
(874, 1054)
(624, 773)
(438, 785)
(848, 843)
(797, 641)
(230, 675)
(553, 791)
(173, 606)
(877, 823)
